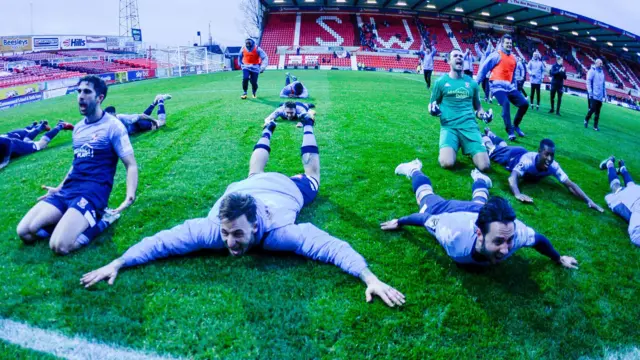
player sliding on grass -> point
(76, 205)
(624, 201)
(294, 88)
(502, 65)
(20, 142)
(456, 100)
(531, 166)
(258, 212)
(484, 231)
(137, 123)
(292, 111)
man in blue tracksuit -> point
(427, 63)
(521, 75)
(467, 64)
(597, 93)
(536, 75)
(483, 54)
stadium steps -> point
(620, 75)
(630, 75)
(519, 52)
(454, 40)
(574, 52)
(296, 34)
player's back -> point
(276, 191)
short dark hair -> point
(235, 205)
(99, 86)
(298, 88)
(496, 209)
(506, 36)
(290, 104)
(548, 143)
(110, 109)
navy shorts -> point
(85, 206)
(308, 187)
(435, 205)
(504, 155)
(21, 147)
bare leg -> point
(481, 161)
(41, 215)
(261, 151)
(447, 157)
(309, 151)
(70, 226)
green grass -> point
(284, 307)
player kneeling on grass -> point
(531, 166)
(137, 123)
(292, 111)
(624, 201)
(484, 231)
(294, 88)
(456, 101)
(21, 142)
(70, 212)
(258, 212)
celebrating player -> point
(531, 166)
(484, 53)
(258, 212)
(455, 98)
(18, 143)
(77, 204)
(597, 93)
(469, 59)
(624, 201)
(292, 111)
(253, 61)
(502, 65)
(293, 88)
(484, 231)
(137, 123)
(521, 75)
(428, 53)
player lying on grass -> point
(292, 111)
(30, 132)
(76, 205)
(137, 123)
(18, 143)
(484, 231)
(456, 100)
(294, 88)
(531, 166)
(258, 212)
(624, 201)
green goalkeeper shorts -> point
(469, 139)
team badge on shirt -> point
(83, 203)
(467, 85)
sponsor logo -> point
(568, 14)
(467, 85)
(530, 5)
(74, 43)
(460, 93)
(83, 203)
(15, 43)
(598, 23)
(329, 9)
(85, 151)
(46, 42)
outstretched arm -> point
(191, 236)
(576, 191)
(313, 243)
(544, 247)
(513, 184)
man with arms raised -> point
(258, 212)
(502, 65)
(77, 204)
(481, 232)
(531, 166)
(456, 100)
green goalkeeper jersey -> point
(456, 98)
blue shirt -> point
(487, 66)
(427, 61)
(596, 84)
(289, 90)
(279, 113)
(96, 149)
(536, 71)
(524, 164)
(257, 67)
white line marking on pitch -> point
(50, 342)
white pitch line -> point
(75, 348)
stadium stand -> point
(317, 29)
(96, 67)
(36, 74)
(279, 31)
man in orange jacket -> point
(253, 61)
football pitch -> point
(279, 306)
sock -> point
(91, 233)
(495, 139)
(613, 176)
(45, 232)
(625, 175)
(265, 139)
(480, 191)
(53, 132)
(161, 107)
(149, 110)
(420, 180)
(33, 133)
(309, 144)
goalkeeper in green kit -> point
(455, 99)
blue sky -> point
(166, 22)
